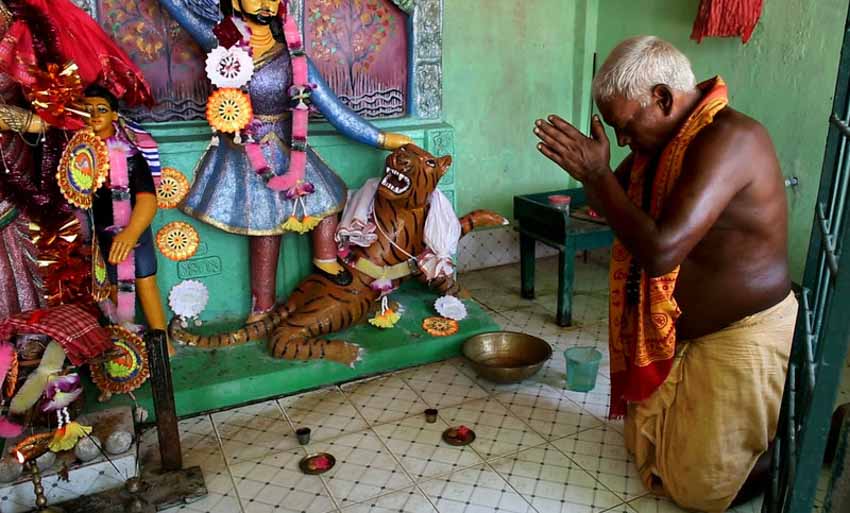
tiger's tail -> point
(481, 219)
(253, 331)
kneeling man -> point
(701, 309)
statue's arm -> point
(345, 120)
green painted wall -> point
(505, 64)
(784, 77)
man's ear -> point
(663, 97)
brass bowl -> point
(506, 357)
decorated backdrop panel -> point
(361, 49)
(171, 61)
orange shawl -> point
(642, 338)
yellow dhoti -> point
(698, 436)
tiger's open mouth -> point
(395, 181)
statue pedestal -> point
(206, 380)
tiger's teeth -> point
(401, 177)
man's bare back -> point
(724, 224)
(740, 267)
(724, 227)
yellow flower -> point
(67, 437)
(388, 319)
(305, 225)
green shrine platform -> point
(209, 380)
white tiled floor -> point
(384, 399)
(327, 413)
(420, 449)
(539, 448)
(254, 431)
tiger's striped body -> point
(319, 306)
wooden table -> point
(537, 220)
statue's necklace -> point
(262, 43)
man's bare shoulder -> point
(731, 127)
(731, 144)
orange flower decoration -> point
(440, 326)
(178, 241)
(229, 110)
(173, 187)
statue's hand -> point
(122, 244)
(20, 120)
(391, 141)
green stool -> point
(537, 220)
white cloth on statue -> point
(442, 234)
(442, 228)
(356, 226)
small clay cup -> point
(431, 415)
(303, 435)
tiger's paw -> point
(343, 352)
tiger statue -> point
(319, 306)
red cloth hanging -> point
(726, 18)
(75, 37)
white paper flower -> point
(229, 67)
(451, 307)
(188, 298)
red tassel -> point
(726, 18)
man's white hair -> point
(637, 65)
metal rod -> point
(824, 295)
(792, 422)
(103, 453)
(828, 246)
(810, 365)
(808, 345)
(842, 155)
(817, 311)
(842, 126)
(807, 311)
(163, 401)
(839, 185)
(840, 188)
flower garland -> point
(228, 69)
(119, 184)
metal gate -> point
(823, 325)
